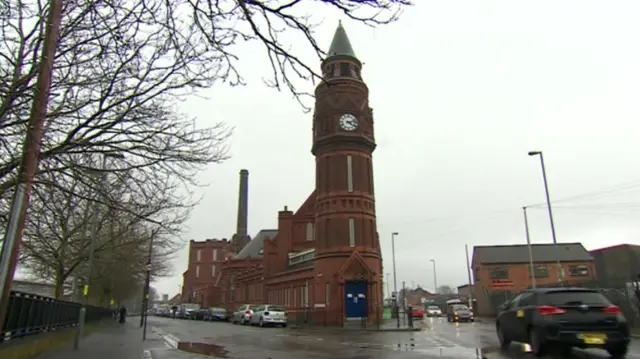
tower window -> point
(309, 231)
(345, 70)
(349, 173)
(352, 232)
(329, 71)
(327, 294)
(197, 271)
(199, 255)
(213, 270)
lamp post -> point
(92, 242)
(435, 276)
(395, 279)
(526, 229)
(551, 222)
(145, 291)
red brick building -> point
(499, 272)
(207, 257)
(205, 264)
(324, 259)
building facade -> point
(205, 264)
(499, 272)
(323, 262)
(617, 265)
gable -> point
(355, 265)
(308, 207)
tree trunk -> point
(59, 281)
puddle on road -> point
(211, 350)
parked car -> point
(433, 311)
(563, 318)
(188, 311)
(243, 314)
(459, 313)
(273, 315)
(417, 312)
(218, 314)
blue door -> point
(355, 299)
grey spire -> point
(340, 45)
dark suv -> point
(563, 318)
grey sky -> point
(461, 91)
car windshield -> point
(575, 297)
(433, 307)
(254, 307)
(460, 307)
(274, 308)
(191, 306)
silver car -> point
(459, 313)
(269, 315)
(243, 314)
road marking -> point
(169, 340)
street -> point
(440, 339)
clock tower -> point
(347, 256)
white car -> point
(268, 314)
(433, 311)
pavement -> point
(438, 339)
(111, 341)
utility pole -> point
(435, 276)
(30, 156)
(466, 252)
(395, 279)
(526, 228)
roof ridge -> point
(524, 245)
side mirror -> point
(504, 306)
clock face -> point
(348, 122)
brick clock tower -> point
(348, 262)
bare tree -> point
(122, 64)
(120, 68)
(122, 217)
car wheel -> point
(618, 351)
(502, 338)
(536, 343)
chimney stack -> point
(243, 204)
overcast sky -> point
(461, 91)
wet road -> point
(440, 339)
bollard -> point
(80, 328)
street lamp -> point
(92, 242)
(435, 277)
(395, 279)
(546, 191)
(145, 291)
